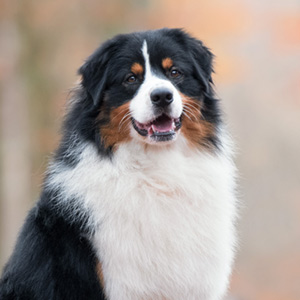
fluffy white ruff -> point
(163, 218)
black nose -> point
(161, 97)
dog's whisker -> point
(190, 105)
(187, 110)
(191, 113)
(124, 120)
(125, 116)
(193, 106)
(184, 113)
(122, 111)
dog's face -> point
(156, 107)
(152, 86)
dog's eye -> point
(175, 73)
(131, 78)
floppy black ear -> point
(94, 72)
(202, 60)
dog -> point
(139, 200)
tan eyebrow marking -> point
(167, 63)
(137, 69)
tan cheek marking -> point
(100, 273)
(137, 69)
(167, 63)
(194, 128)
(118, 129)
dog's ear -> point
(94, 71)
(202, 60)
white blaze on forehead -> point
(147, 60)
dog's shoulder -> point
(53, 259)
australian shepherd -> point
(138, 202)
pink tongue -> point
(163, 124)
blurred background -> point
(257, 48)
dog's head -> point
(152, 86)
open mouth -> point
(161, 129)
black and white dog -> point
(139, 200)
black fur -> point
(53, 258)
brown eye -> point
(131, 78)
(175, 73)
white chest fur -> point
(163, 219)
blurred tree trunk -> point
(14, 154)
